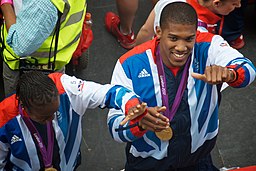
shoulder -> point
(8, 109)
(70, 84)
(49, 5)
(40, 2)
(204, 37)
(56, 77)
(216, 42)
(39, 9)
(139, 50)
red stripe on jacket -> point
(56, 79)
(8, 109)
(151, 44)
(203, 37)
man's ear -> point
(216, 3)
(158, 32)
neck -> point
(36, 124)
(204, 3)
(37, 121)
(32, 116)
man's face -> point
(224, 7)
(176, 43)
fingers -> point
(209, 74)
(141, 107)
(155, 111)
(154, 121)
(134, 112)
(126, 119)
(160, 109)
(229, 75)
(148, 125)
(214, 75)
(199, 76)
(155, 115)
(225, 75)
(159, 120)
(164, 118)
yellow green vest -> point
(73, 13)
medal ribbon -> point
(46, 153)
(163, 88)
(203, 24)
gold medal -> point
(165, 134)
(50, 169)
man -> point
(46, 132)
(182, 69)
(214, 16)
(39, 34)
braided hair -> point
(35, 89)
(178, 13)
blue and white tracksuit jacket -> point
(195, 124)
(75, 97)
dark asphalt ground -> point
(236, 145)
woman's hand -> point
(134, 112)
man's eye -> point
(173, 38)
(190, 39)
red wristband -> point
(235, 75)
(6, 2)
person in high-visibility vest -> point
(39, 35)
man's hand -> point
(134, 112)
(215, 75)
(9, 15)
(154, 120)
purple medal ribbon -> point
(203, 24)
(182, 86)
(46, 153)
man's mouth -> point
(179, 55)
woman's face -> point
(44, 113)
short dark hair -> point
(178, 13)
(34, 88)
